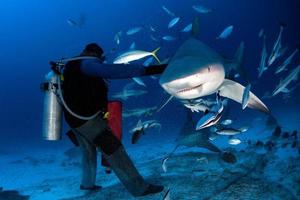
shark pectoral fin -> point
(210, 146)
(234, 91)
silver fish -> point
(246, 95)
(139, 81)
(168, 38)
(201, 9)
(134, 30)
(261, 33)
(234, 141)
(148, 62)
(226, 32)
(133, 55)
(282, 86)
(283, 66)
(211, 118)
(188, 28)
(128, 93)
(277, 50)
(168, 11)
(228, 131)
(132, 46)
(173, 22)
(263, 67)
(138, 112)
(226, 122)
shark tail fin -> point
(153, 53)
(195, 27)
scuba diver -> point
(85, 92)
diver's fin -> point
(153, 53)
(195, 27)
(234, 91)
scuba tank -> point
(52, 116)
(54, 101)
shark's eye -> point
(208, 68)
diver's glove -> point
(155, 69)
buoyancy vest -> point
(84, 95)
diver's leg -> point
(89, 162)
(114, 152)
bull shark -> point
(282, 86)
(196, 71)
(190, 137)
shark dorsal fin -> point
(195, 27)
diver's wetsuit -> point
(85, 92)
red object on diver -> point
(115, 122)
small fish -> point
(77, 23)
(228, 131)
(117, 39)
(164, 164)
(153, 38)
(148, 62)
(72, 22)
(196, 107)
(246, 96)
(132, 46)
(173, 22)
(168, 11)
(226, 32)
(138, 112)
(277, 50)
(244, 128)
(282, 86)
(169, 38)
(133, 55)
(188, 28)
(167, 195)
(152, 29)
(286, 62)
(134, 30)
(261, 33)
(211, 118)
(201, 9)
(263, 61)
(202, 159)
(226, 122)
(234, 141)
(125, 94)
(139, 81)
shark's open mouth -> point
(189, 89)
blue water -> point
(35, 32)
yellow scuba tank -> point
(52, 116)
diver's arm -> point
(118, 71)
(155, 69)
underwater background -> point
(35, 32)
